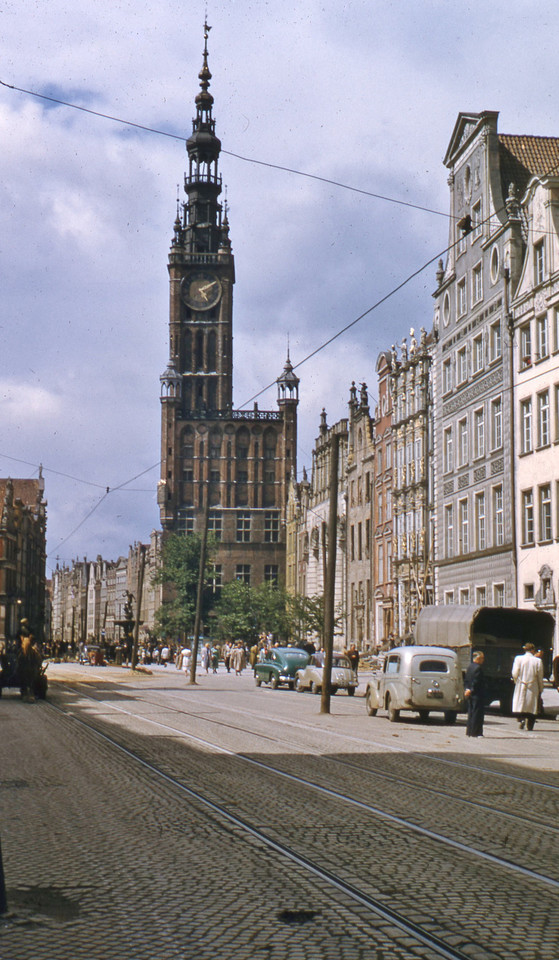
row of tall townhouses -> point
(307, 523)
(495, 372)
(451, 488)
(88, 597)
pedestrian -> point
(253, 655)
(353, 656)
(555, 669)
(238, 658)
(527, 673)
(215, 659)
(541, 656)
(226, 653)
(165, 654)
(28, 666)
(205, 657)
(474, 692)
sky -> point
(364, 93)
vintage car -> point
(279, 666)
(342, 677)
(424, 679)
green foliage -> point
(243, 612)
(180, 564)
(307, 616)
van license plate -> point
(435, 694)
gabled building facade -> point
(475, 549)
(360, 474)
(535, 311)
(224, 467)
(382, 501)
(412, 480)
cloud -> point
(360, 93)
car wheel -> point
(350, 691)
(258, 680)
(371, 709)
(333, 691)
(274, 682)
(298, 685)
(450, 716)
(315, 688)
(393, 714)
(423, 715)
(291, 684)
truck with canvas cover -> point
(499, 632)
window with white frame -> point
(185, 521)
(481, 539)
(461, 297)
(463, 521)
(545, 512)
(498, 594)
(543, 419)
(215, 523)
(242, 573)
(243, 527)
(462, 365)
(476, 220)
(448, 454)
(464, 596)
(539, 262)
(271, 573)
(449, 529)
(556, 412)
(447, 375)
(463, 442)
(528, 536)
(271, 526)
(526, 425)
(477, 283)
(461, 241)
(495, 341)
(448, 597)
(478, 353)
(496, 423)
(216, 577)
(481, 596)
(525, 346)
(555, 322)
(542, 341)
(479, 433)
(498, 517)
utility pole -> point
(330, 584)
(200, 590)
(140, 586)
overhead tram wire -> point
(229, 153)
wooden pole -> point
(200, 590)
(140, 587)
(330, 585)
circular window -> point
(446, 309)
(495, 264)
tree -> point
(307, 616)
(243, 612)
(179, 569)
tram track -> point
(385, 815)
(376, 906)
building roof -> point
(539, 156)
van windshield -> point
(433, 666)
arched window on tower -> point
(212, 340)
(212, 395)
(186, 361)
(199, 350)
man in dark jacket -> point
(474, 692)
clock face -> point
(201, 290)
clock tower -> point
(231, 466)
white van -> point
(424, 679)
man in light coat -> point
(527, 673)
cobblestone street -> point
(145, 818)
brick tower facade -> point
(241, 460)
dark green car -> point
(279, 665)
